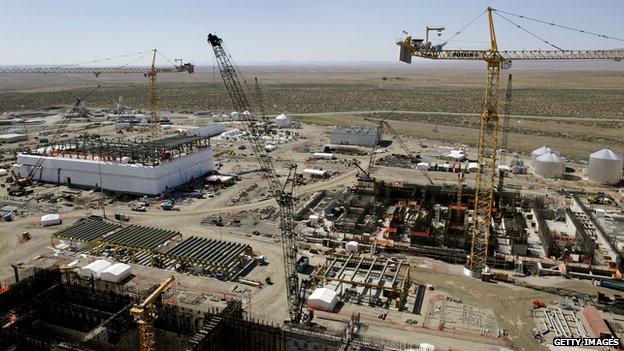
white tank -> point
(605, 166)
(550, 165)
(539, 152)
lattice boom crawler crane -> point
(281, 193)
(495, 59)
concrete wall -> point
(128, 178)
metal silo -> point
(605, 166)
(539, 152)
(550, 165)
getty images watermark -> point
(613, 342)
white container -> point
(50, 219)
(352, 247)
(324, 156)
(323, 299)
(314, 219)
(93, 269)
(282, 121)
(605, 166)
(116, 273)
(315, 172)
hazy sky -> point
(68, 31)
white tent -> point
(50, 219)
(457, 155)
(94, 268)
(116, 273)
(282, 121)
(352, 247)
(323, 299)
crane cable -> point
(559, 25)
(531, 33)
(464, 27)
(111, 58)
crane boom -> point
(187, 67)
(281, 193)
(489, 125)
(414, 49)
(145, 315)
(383, 123)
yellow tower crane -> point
(152, 73)
(495, 59)
(145, 315)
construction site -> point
(239, 227)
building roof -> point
(607, 154)
(550, 158)
(325, 295)
(140, 237)
(87, 230)
(356, 130)
(542, 150)
(12, 135)
(117, 269)
(208, 251)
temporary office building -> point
(116, 273)
(605, 166)
(550, 165)
(323, 299)
(93, 269)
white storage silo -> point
(605, 166)
(539, 152)
(550, 165)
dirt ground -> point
(574, 113)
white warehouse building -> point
(362, 136)
(149, 168)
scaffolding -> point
(141, 151)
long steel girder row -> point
(140, 238)
(87, 230)
(214, 255)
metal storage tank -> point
(605, 166)
(550, 165)
(539, 152)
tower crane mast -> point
(145, 314)
(495, 60)
(282, 193)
